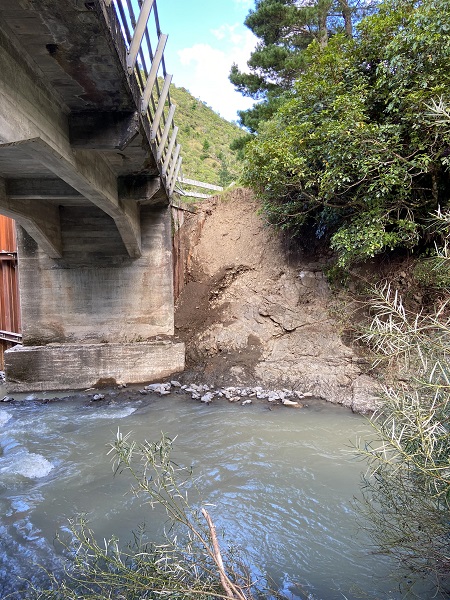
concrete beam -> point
(79, 366)
(40, 189)
(29, 115)
(103, 130)
(41, 221)
(140, 189)
(90, 175)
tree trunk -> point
(347, 14)
(323, 11)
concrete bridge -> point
(88, 165)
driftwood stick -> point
(232, 591)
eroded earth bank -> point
(254, 312)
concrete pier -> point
(96, 314)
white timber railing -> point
(134, 26)
(199, 184)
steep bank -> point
(252, 313)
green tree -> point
(285, 28)
(353, 152)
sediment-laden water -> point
(281, 482)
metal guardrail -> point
(134, 26)
(200, 184)
(10, 336)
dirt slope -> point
(252, 314)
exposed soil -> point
(255, 311)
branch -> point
(232, 591)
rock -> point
(234, 399)
(153, 387)
(7, 399)
(366, 395)
(143, 392)
(163, 389)
(207, 398)
(193, 388)
(175, 383)
(245, 402)
(230, 392)
(98, 397)
(287, 402)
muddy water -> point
(281, 482)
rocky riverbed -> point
(199, 392)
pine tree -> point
(285, 28)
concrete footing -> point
(80, 366)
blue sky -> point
(205, 38)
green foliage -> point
(356, 151)
(371, 234)
(285, 28)
(406, 490)
(205, 138)
(187, 564)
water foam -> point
(33, 466)
(114, 414)
(4, 417)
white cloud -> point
(233, 33)
(207, 68)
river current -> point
(281, 484)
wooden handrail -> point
(131, 28)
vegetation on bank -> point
(353, 147)
(188, 563)
(205, 138)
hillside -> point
(205, 138)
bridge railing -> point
(134, 26)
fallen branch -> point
(233, 591)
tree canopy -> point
(285, 28)
(354, 149)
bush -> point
(406, 491)
(354, 150)
(187, 564)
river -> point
(281, 483)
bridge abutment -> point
(96, 314)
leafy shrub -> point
(353, 150)
(406, 491)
